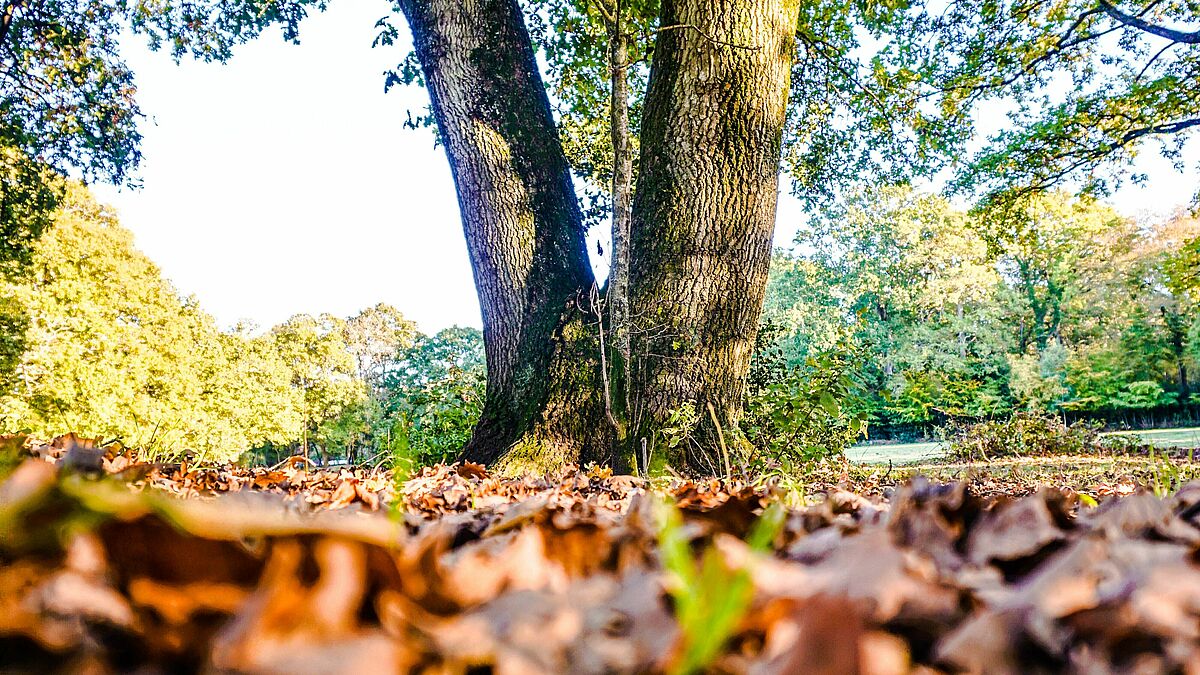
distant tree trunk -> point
(524, 232)
(704, 211)
(1054, 297)
(962, 334)
(1177, 330)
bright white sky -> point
(283, 181)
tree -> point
(1157, 274)
(374, 337)
(918, 279)
(68, 105)
(702, 223)
(253, 387)
(67, 97)
(29, 193)
(435, 394)
(700, 228)
(1054, 249)
(801, 313)
(1181, 263)
(322, 371)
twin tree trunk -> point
(700, 234)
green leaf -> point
(830, 404)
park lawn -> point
(913, 453)
(896, 453)
(1167, 438)
(1098, 477)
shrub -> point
(1034, 435)
(797, 415)
(435, 395)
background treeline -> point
(1051, 303)
(98, 342)
(894, 312)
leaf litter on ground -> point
(111, 565)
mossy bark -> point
(704, 214)
(524, 232)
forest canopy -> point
(1060, 304)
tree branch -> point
(1154, 58)
(1168, 128)
(1141, 24)
(605, 13)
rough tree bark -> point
(704, 213)
(524, 232)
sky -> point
(283, 182)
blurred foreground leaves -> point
(105, 568)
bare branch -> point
(1154, 58)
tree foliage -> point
(68, 97)
(68, 102)
(1086, 84)
(114, 351)
(435, 395)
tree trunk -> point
(617, 291)
(704, 215)
(524, 233)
